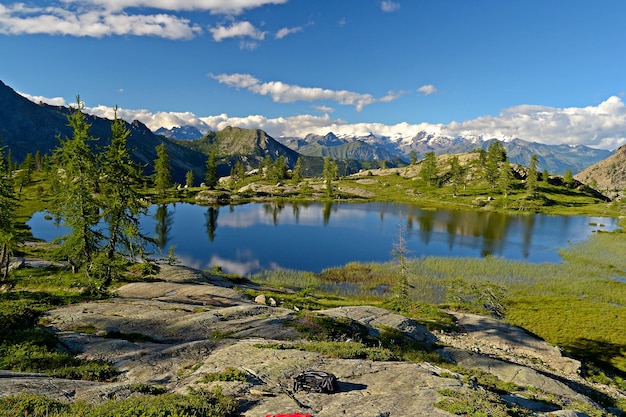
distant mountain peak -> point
(180, 132)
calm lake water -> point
(247, 238)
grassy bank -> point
(578, 305)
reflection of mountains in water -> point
(489, 229)
(314, 236)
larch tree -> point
(7, 204)
(506, 178)
(532, 176)
(120, 206)
(189, 179)
(76, 201)
(456, 174)
(162, 169)
(428, 173)
(495, 155)
(330, 172)
(568, 178)
(296, 175)
(211, 179)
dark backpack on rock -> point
(316, 381)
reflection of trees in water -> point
(451, 227)
(326, 210)
(273, 210)
(489, 228)
(495, 226)
(529, 225)
(427, 223)
(164, 219)
(210, 221)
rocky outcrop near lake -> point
(185, 324)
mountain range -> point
(26, 127)
(556, 159)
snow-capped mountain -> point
(556, 159)
(180, 132)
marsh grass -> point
(577, 305)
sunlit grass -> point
(578, 304)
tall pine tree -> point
(7, 204)
(120, 205)
(211, 179)
(162, 169)
(76, 201)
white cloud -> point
(287, 93)
(287, 31)
(19, 19)
(213, 6)
(601, 126)
(55, 101)
(237, 30)
(427, 89)
(388, 6)
(324, 109)
(99, 18)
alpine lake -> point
(245, 239)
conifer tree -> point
(189, 179)
(330, 172)
(506, 178)
(429, 169)
(211, 178)
(297, 171)
(76, 203)
(532, 176)
(456, 174)
(568, 178)
(7, 204)
(120, 205)
(279, 169)
(495, 155)
(162, 169)
(266, 168)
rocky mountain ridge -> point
(608, 175)
(27, 127)
(556, 159)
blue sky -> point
(546, 71)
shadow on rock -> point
(349, 386)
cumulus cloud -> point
(237, 30)
(287, 31)
(214, 6)
(324, 109)
(287, 93)
(19, 19)
(99, 18)
(388, 6)
(55, 101)
(427, 89)
(600, 126)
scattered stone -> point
(272, 302)
(260, 299)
